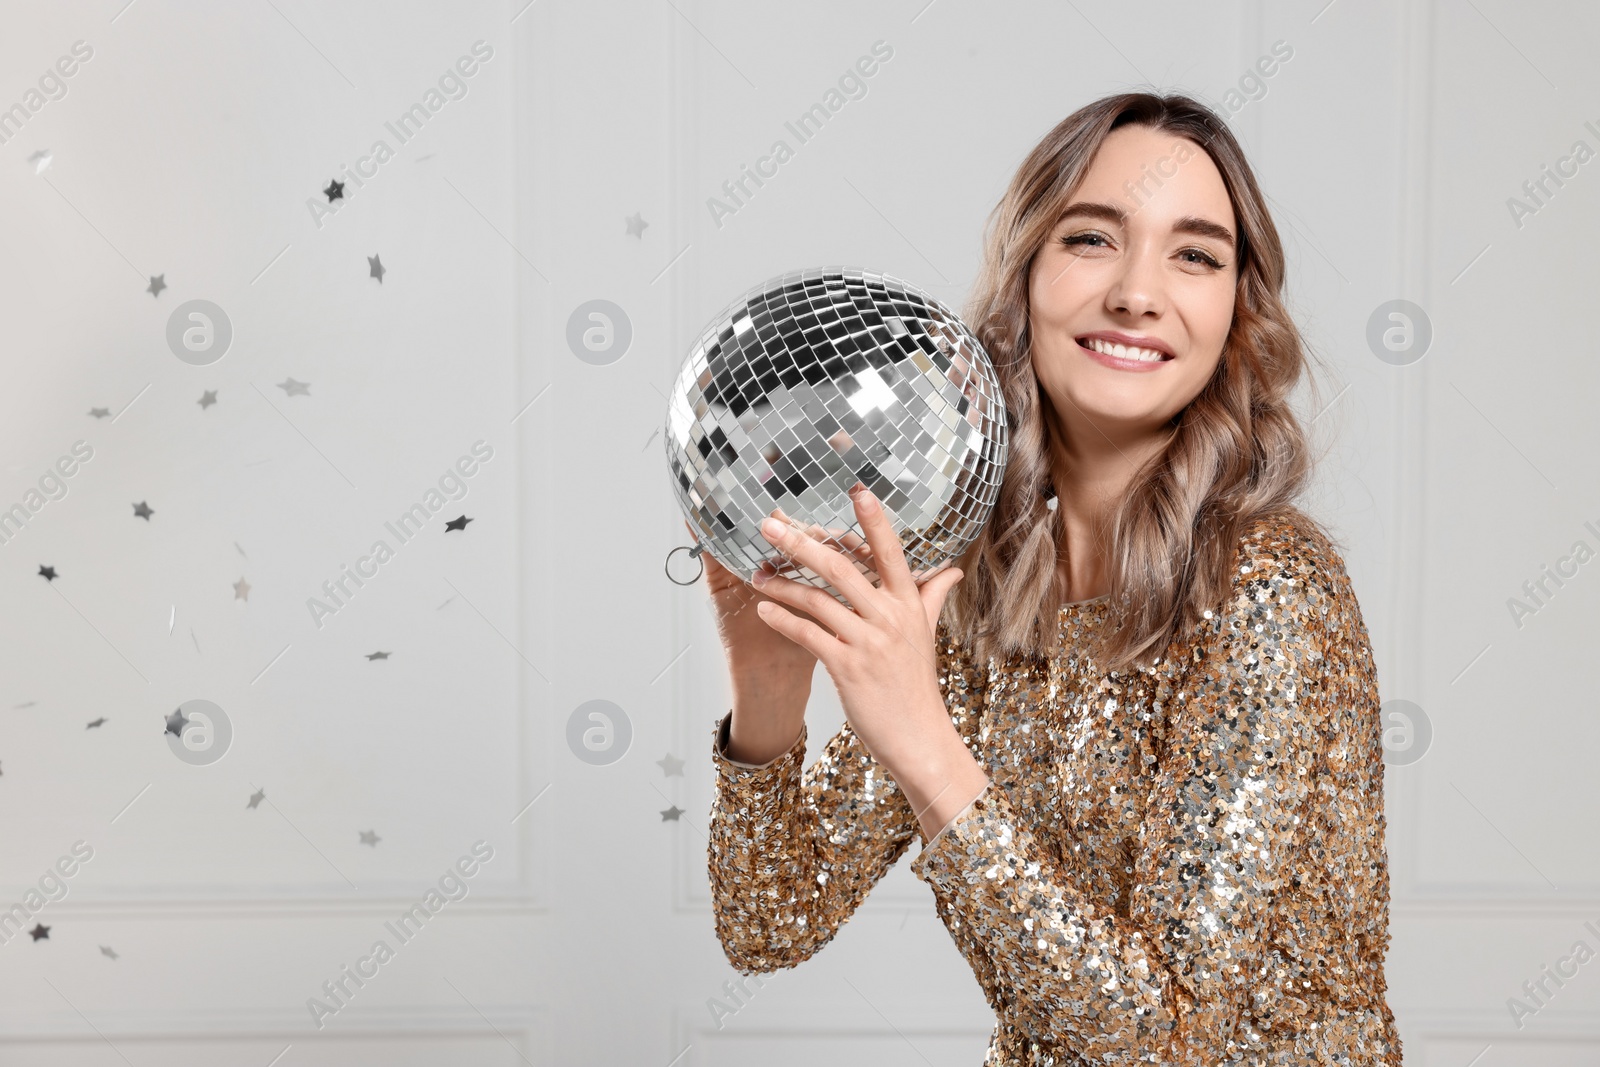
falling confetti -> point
(207, 398)
(671, 814)
(40, 160)
(256, 798)
(291, 387)
(158, 282)
(48, 573)
(377, 655)
(636, 225)
(375, 268)
(142, 510)
(241, 589)
(175, 723)
(101, 721)
(334, 191)
(671, 766)
(108, 952)
(457, 524)
(40, 932)
(370, 837)
(100, 413)
(172, 619)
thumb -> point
(936, 589)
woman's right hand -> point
(754, 649)
(770, 674)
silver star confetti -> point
(176, 722)
(291, 387)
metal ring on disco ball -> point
(694, 552)
(817, 380)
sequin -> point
(1182, 864)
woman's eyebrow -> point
(1203, 228)
(1192, 224)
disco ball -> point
(820, 379)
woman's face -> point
(1143, 256)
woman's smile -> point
(1121, 351)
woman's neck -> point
(1090, 477)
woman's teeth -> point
(1144, 355)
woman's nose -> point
(1137, 287)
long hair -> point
(1236, 454)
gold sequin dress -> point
(1182, 864)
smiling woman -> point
(1143, 752)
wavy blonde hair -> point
(1234, 456)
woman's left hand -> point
(881, 655)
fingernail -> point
(772, 529)
(864, 496)
(760, 578)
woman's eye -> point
(1203, 258)
(1083, 239)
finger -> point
(821, 606)
(815, 531)
(712, 563)
(831, 564)
(935, 590)
(887, 554)
(845, 539)
(852, 543)
(808, 635)
(718, 571)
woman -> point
(1143, 753)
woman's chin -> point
(1130, 415)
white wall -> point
(189, 144)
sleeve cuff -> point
(967, 841)
(737, 770)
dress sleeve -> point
(1168, 982)
(793, 851)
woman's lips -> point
(1136, 365)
